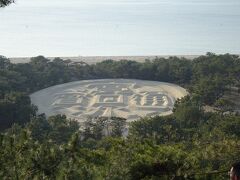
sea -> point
(119, 27)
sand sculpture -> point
(127, 98)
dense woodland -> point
(192, 143)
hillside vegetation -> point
(189, 144)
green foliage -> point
(161, 129)
(209, 89)
(56, 129)
(188, 112)
(211, 75)
(118, 158)
(15, 107)
(4, 63)
(97, 128)
(224, 104)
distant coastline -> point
(96, 59)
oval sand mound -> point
(127, 98)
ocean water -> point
(119, 27)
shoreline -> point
(96, 59)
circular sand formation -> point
(126, 98)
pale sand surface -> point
(127, 98)
(95, 59)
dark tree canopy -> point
(4, 3)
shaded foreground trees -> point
(15, 107)
(156, 148)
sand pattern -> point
(126, 98)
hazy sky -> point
(119, 27)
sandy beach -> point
(96, 59)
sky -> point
(119, 27)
